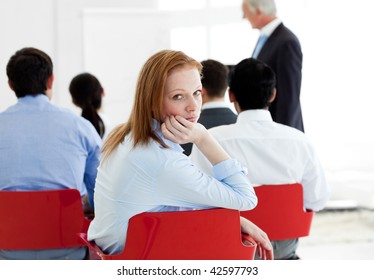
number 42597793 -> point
(234, 270)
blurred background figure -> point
(279, 48)
(87, 93)
(215, 110)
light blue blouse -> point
(150, 178)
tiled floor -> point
(340, 235)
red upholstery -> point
(189, 235)
(41, 219)
(280, 212)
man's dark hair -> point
(28, 71)
(252, 82)
(214, 78)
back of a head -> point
(86, 92)
(28, 71)
(214, 78)
(253, 83)
(268, 7)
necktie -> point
(261, 41)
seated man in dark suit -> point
(215, 110)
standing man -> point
(280, 49)
(44, 147)
(215, 110)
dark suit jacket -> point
(282, 52)
(213, 117)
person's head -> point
(214, 79)
(259, 12)
(252, 85)
(86, 92)
(168, 84)
(30, 72)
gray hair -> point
(268, 7)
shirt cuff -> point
(227, 168)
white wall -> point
(54, 26)
(69, 41)
(115, 51)
(22, 24)
(337, 94)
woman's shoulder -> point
(151, 152)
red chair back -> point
(188, 235)
(280, 212)
(41, 219)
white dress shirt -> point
(150, 178)
(268, 29)
(214, 104)
(273, 153)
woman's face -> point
(182, 94)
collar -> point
(214, 104)
(34, 98)
(270, 27)
(254, 115)
(157, 129)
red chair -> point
(280, 212)
(41, 219)
(212, 234)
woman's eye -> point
(177, 97)
(198, 92)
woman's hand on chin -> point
(182, 131)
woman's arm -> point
(229, 186)
(181, 131)
(264, 247)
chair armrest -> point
(247, 240)
(95, 252)
(86, 224)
